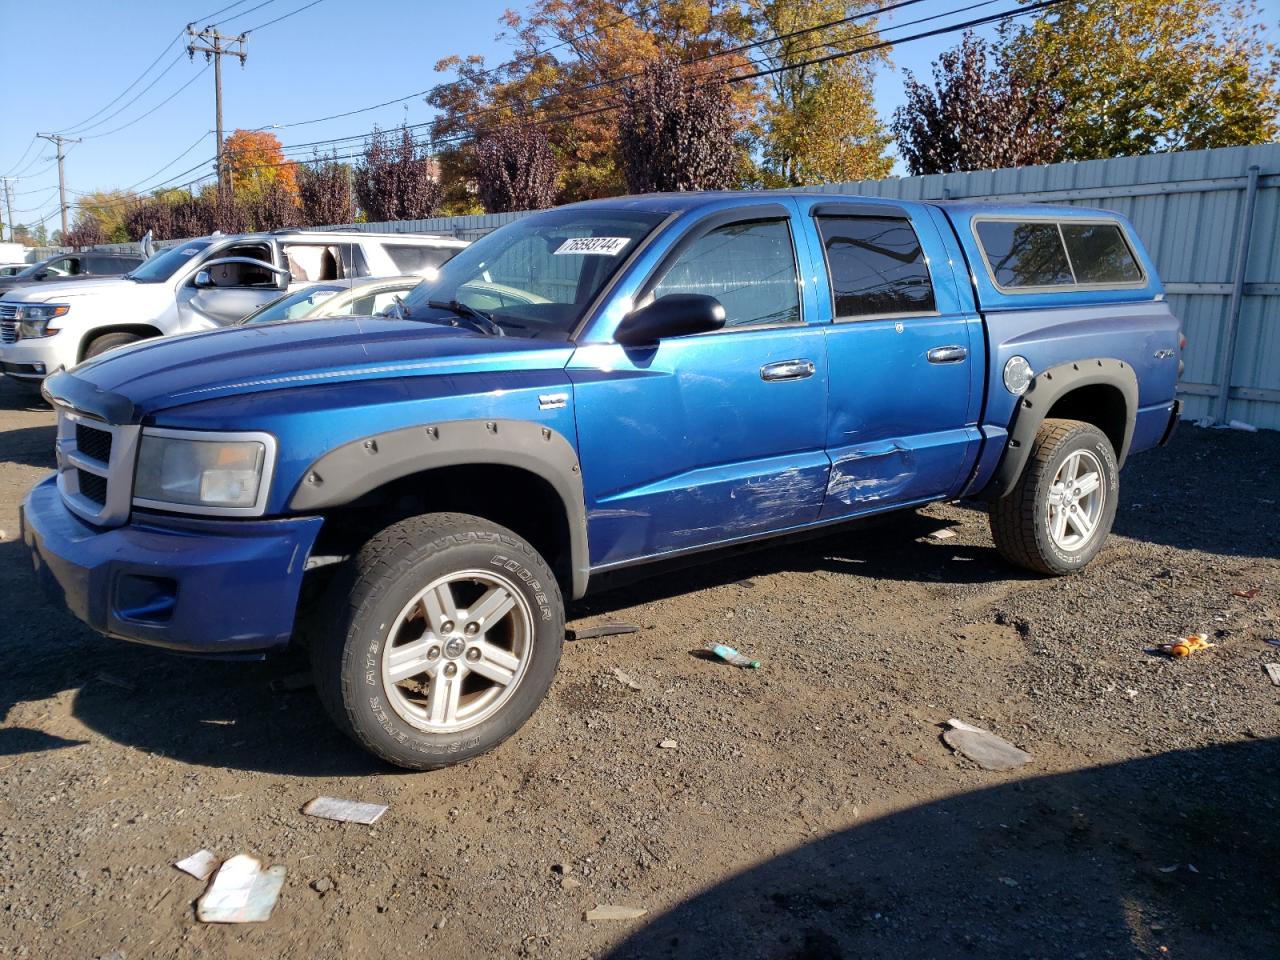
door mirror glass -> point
(675, 315)
(203, 279)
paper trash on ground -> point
(241, 892)
(350, 811)
(200, 864)
(983, 747)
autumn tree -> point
(324, 192)
(1143, 76)
(677, 131)
(567, 62)
(107, 208)
(516, 169)
(254, 161)
(978, 115)
(85, 232)
(396, 179)
(819, 120)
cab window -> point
(749, 267)
(243, 274)
(876, 266)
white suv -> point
(196, 285)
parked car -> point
(361, 299)
(196, 285)
(418, 494)
(70, 267)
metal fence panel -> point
(1189, 209)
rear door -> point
(711, 437)
(903, 350)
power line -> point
(285, 16)
(242, 13)
(30, 144)
(516, 61)
(75, 126)
(141, 93)
(144, 116)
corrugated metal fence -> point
(1211, 219)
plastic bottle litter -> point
(1186, 646)
(730, 655)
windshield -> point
(294, 305)
(166, 263)
(536, 277)
(34, 268)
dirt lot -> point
(809, 809)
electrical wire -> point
(141, 93)
(116, 99)
(30, 144)
(285, 16)
(143, 116)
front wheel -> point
(445, 638)
(1057, 516)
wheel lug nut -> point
(447, 626)
(450, 669)
(473, 654)
(433, 653)
(472, 629)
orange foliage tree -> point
(256, 166)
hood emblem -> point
(1165, 354)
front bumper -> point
(31, 359)
(197, 586)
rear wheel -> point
(109, 341)
(443, 640)
(1058, 515)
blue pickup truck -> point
(587, 389)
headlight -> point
(33, 318)
(198, 472)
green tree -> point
(1144, 76)
(819, 121)
(107, 208)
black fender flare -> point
(1045, 390)
(348, 472)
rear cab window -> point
(1030, 255)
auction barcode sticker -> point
(601, 246)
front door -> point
(238, 288)
(902, 413)
(707, 438)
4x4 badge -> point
(552, 401)
(1165, 354)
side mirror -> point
(675, 315)
(203, 279)
(42, 275)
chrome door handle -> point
(951, 354)
(787, 370)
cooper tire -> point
(486, 663)
(1040, 524)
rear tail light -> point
(1182, 349)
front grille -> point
(95, 467)
(93, 487)
(8, 331)
(93, 443)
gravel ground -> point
(808, 810)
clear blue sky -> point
(335, 56)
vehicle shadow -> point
(20, 396)
(1174, 851)
(206, 712)
(891, 547)
(29, 446)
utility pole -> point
(8, 204)
(59, 141)
(215, 46)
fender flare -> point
(1045, 390)
(350, 471)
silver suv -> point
(194, 285)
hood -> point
(176, 371)
(44, 291)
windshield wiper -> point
(479, 320)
